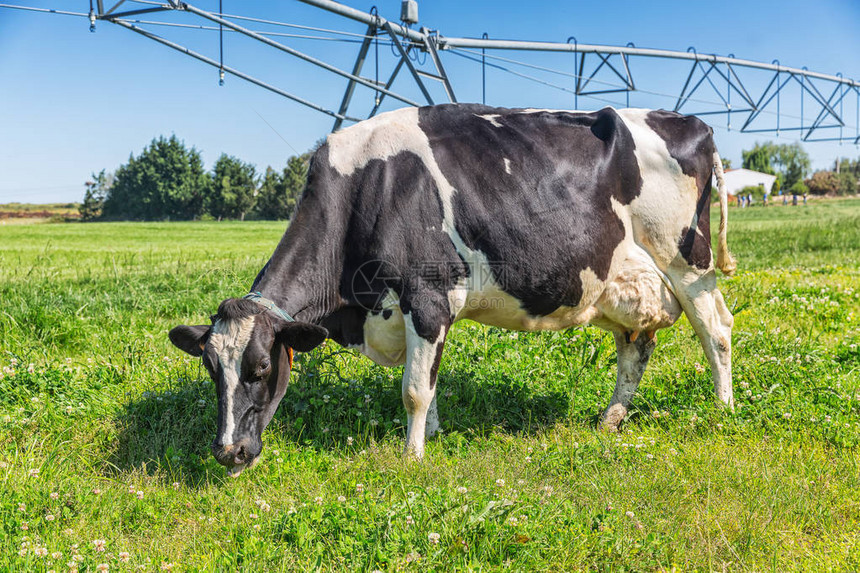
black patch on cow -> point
(434, 369)
(386, 314)
(346, 325)
(357, 236)
(233, 308)
(397, 242)
(690, 142)
(551, 217)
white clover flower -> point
(341, 498)
(433, 538)
(359, 487)
(462, 490)
(500, 482)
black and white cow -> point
(525, 219)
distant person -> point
(764, 200)
(804, 198)
(794, 199)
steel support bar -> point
(405, 57)
(110, 16)
(115, 6)
(390, 81)
(291, 51)
(356, 71)
(430, 46)
(230, 70)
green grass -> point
(97, 408)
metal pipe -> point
(229, 70)
(359, 16)
(292, 52)
(445, 43)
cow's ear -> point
(301, 336)
(191, 339)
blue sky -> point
(72, 102)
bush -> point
(823, 183)
(799, 188)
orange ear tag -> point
(290, 356)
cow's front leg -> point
(419, 387)
(632, 359)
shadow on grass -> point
(170, 431)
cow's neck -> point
(303, 275)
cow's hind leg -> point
(710, 317)
(419, 387)
(632, 359)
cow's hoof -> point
(432, 430)
(412, 454)
(608, 427)
(612, 418)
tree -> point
(789, 162)
(847, 183)
(727, 163)
(280, 192)
(166, 181)
(823, 183)
(94, 197)
(759, 158)
(233, 189)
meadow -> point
(104, 426)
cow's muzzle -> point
(236, 456)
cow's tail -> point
(725, 261)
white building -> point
(737, 179)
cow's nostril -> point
(239, 457)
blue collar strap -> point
(262, 301)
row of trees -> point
(168, 181)
(791, 165)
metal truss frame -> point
(599, 69)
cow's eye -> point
(262, 370)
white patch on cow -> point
(668, 197)
(639, 298)
(379, 137)
(229, 339)
(507, 166)
(385, 338)
(492, 118)
(418, 396)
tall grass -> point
(97, 408)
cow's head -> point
(248, 352)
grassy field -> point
(104, 426)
